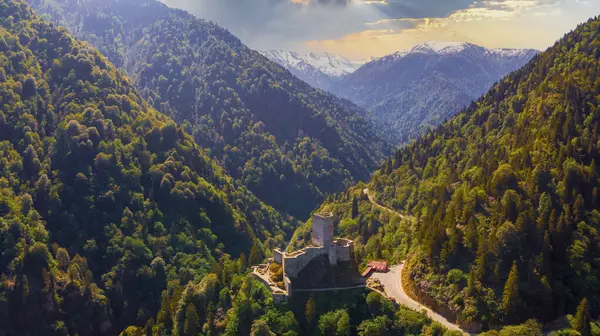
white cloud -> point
(490, 23)
(363, 28)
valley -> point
(396, 89)
(286, 142)
(499, 220)
(159, 177)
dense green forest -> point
(114, 221)
(504, 197)
(102, 199)
(288, 143)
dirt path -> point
(374, 202)
(392, 281)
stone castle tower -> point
(322, 230)
(323, 244)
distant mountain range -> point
(506, 191)
(318, 70)
(417, 89)
(412, 90)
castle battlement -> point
(323, 243)
(322, 229)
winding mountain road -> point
(392, 285)
(392, 282)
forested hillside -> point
(114, 221)
(289, 143)
(505, 197)
(102, 199)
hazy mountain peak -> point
(442, 47)
(328, 64)
(451, 48)
(416, 89)
(509, 52)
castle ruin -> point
(322, 243)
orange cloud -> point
(490, 23)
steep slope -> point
(102, 199)
(318, 70)
(418, 89)
(505, 197)
(289, 143)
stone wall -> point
(279, 297)
(261, 279)
(344, 253)
(343, 249)
(288, 285)
(278, 256)
(322, 229)
(333, 257)
(294, 263)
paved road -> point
(392, 281)
(392, 284)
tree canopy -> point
(504, 197)
(288, 143)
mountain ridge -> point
(505, 195)
(333, 65)
(267, 128)
(318, 70)
(103, 200)
(397, 89)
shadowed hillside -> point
(288, 143)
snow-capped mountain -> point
(453, 48)
(419, 88)
(319, 70)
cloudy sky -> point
(369, 28)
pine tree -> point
(471, 283)
(578, 209)
(255, 255)
(149, 327)
(260, 328)
(511, 300)
(343, 325)
(354, 207)
(63, 259)
(546, 296)
(192, 321)
(546, 256)
(242, 263)
(582, 318)
(310, 311)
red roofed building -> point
(376, 266)
(379, 266)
